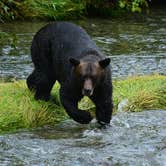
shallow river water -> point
(132, 139)
(137, 46)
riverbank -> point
(67, 9)
(18, 109)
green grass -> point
(18, 109)
(54, 9)
(142, 92)
(37, 9)
(66, 9)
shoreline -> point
(19, 110)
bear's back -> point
(65, 40)
(68, 41)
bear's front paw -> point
(83, 117)
(104, 123)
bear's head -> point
(89, 72)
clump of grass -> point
(66, 9)
(142, 92)
(37, 9)
(59, 10)
(18, 109)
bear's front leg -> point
(104, 112)
(70, 103)
(104, 104)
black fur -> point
(52, 47)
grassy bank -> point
(66, 9)
(18, 109)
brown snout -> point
(87, 87)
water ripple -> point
(132, 139)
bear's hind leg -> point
(31, 83)
(41, 84)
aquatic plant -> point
(18, 109)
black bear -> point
(64, 52)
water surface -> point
(133, 139)
(137, 45)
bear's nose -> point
(87, 92)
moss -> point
(18, 109)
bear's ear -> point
(104, 63)
(74, 62)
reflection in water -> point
(133, 139)
(136, 45)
